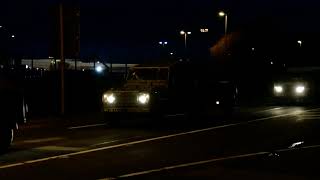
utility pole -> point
(62, 60)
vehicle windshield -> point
(148, 74)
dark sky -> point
(126, 29)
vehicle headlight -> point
(143, 98)
(300, 89)
(109, 98)
(278, 89)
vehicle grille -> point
(126, 99)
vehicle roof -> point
(151, 66)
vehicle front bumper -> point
(126, 109)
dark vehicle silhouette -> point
(180, 88)
(12, 106)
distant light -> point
(27, 66)
(37, 69)
(13, 36)
(217, 102)
(299, 42)
(98, 62)
(171, 53)
(182, 32)
(0, 26)
(204, 30)
(50, 57)
(189, 33)
(160, 42)
(271, 63)
(82, 69)
(296, 144)
(253, 49)
(222, 14)
(165, 42)
(99, 69)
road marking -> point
(309, 115)
(174, 115)
(188, 165)
(146, 140)
(206, 162)
(117, 140)
(295, 148)
(103, 143)
(266, 110)
(86, 126)
(42, 140)
(60, 148)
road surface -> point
(252, 143)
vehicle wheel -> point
(6, 138)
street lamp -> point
(225, 15)
(163, 43)
(299, 42)
(185, 34)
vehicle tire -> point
(6, 138)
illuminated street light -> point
(13, 36)
(299, 42)
(225, 15)
(222, 14)
(163, 43)
(185, 34)
(99, 69)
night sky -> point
(129, 31)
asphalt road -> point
(252, 143)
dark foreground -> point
(252, 143)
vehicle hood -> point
(142, 85)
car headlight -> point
(278, 89)
(299, 89)
(143, 98)
(109, 98)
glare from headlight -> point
(300, 89)
(278, 89)
(109, 98)
(143, 98)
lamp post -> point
(163, 43)
(223, 14)
(299, 42)
(185, 34)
